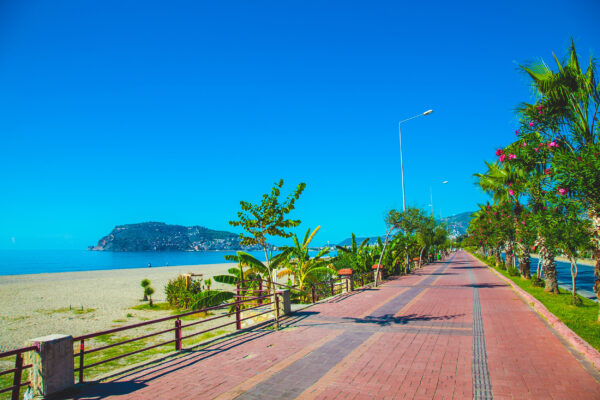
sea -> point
(19, 262)
(585, 277)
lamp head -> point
(428, 112)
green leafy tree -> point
(392, 221)
(267, 219)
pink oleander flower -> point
(523, 222)
(524, 144)
(499, 152)
(511, 192)
(517, 132)
(547, 171)
(536, 149)
(553, 144)
(562, 191)
(502, 157)
(512, 157)
(531, 124)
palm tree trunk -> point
(524, 261)
(497, 256)
(549, 267)
(509, 254)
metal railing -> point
(17, 371)
(177, 329)
(246, 298)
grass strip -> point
(583, 319)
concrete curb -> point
(583, 347)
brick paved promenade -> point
(452, 330)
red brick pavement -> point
(421, 350)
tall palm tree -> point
(570, 98)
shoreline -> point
(79, 302)
(582, 261)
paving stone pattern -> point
(451, 330)
(482, 388)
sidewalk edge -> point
(580, 345)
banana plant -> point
(301, 267)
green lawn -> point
(582, 319)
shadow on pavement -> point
(153, 370)
(101, 390)
(389, 319)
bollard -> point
(314, 299)
(52, 366)
(345, 275)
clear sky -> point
(116, 112)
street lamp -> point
(402, 170)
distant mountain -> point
(158, 236)
(359, 240)
(458, 223)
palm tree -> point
(359, 256)
(498, 181)
(567, 106)
(301, 267)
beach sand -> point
(43, 304)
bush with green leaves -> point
(194, 294)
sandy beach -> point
(82, 302)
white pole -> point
(402, 167)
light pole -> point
(431, 204)
(402, 170)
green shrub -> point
(179, 295)
(513, 271)
(537, 282)
(144, 284)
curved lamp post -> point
(428, 112)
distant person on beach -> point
(149, 265)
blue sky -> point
(121, 112)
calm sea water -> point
(585, 277)
(18, 262)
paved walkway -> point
(452, 330)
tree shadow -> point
(99, 390)
(485, 285)
(390, 320)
